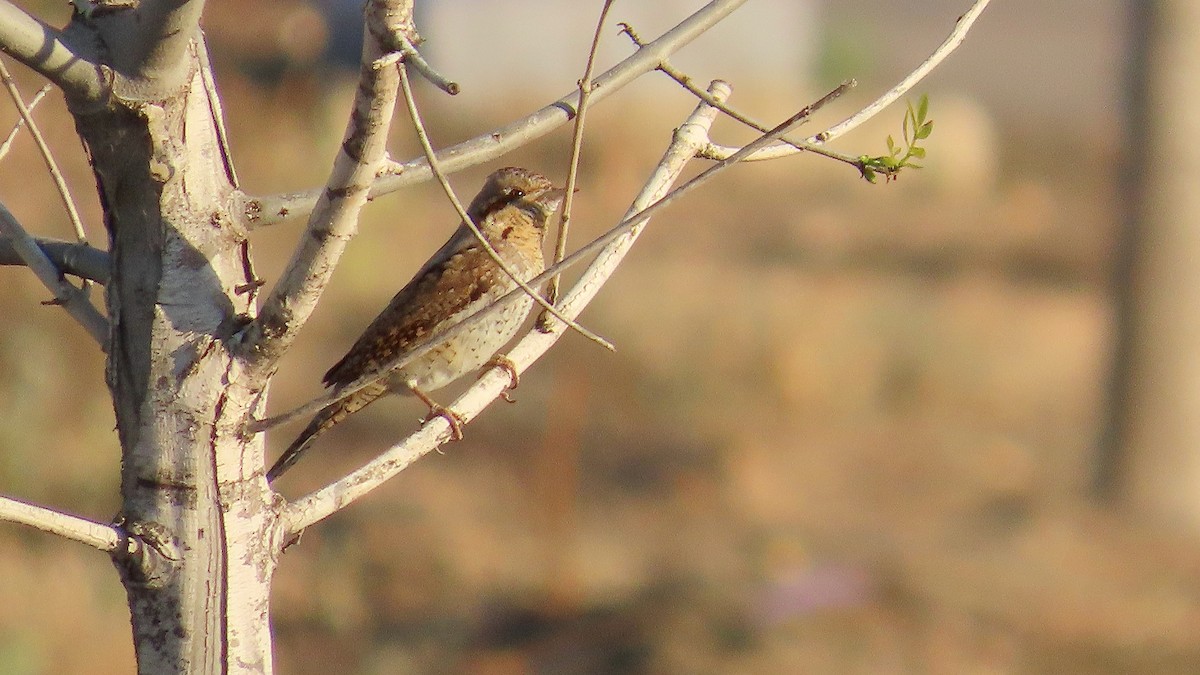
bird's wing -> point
(445, 286)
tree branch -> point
(46, 51)
(335, 219)
(308, 510)
(73, 299)
(97, 535)
(273, 209)
(81, 260)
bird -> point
(512, 211)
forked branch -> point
(334, 220)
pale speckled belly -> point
(466, 352)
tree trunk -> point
(180, 287)
(1154, 463)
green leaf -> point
(923, 107)
(916, 152)
(924, 130)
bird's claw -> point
(505, 363)
(438, 410)
(452, 418)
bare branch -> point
(414, 59)
(80, 260)
(435, 166)
(73, 299)
(44, 49)
(951, 43)
(335, 219)
(585, 95)
(276, 208)
(328, 500)
(97, 535)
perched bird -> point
(511, 210)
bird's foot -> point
(452, 418)
(438, 410)
(505, 363)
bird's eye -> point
(516, 193)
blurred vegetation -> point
(847, 428)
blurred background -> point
(848, 428)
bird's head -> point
(520, 189)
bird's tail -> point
(321, 422)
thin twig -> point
(330, 499)
(12, 135)
(97, 535)
(952, 41)
(413, 57)
(435, 166)
(59, 183)
(585, 95)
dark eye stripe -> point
(502, 200)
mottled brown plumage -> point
(511, 210)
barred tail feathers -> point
(322, 422)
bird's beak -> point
(554, 197)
